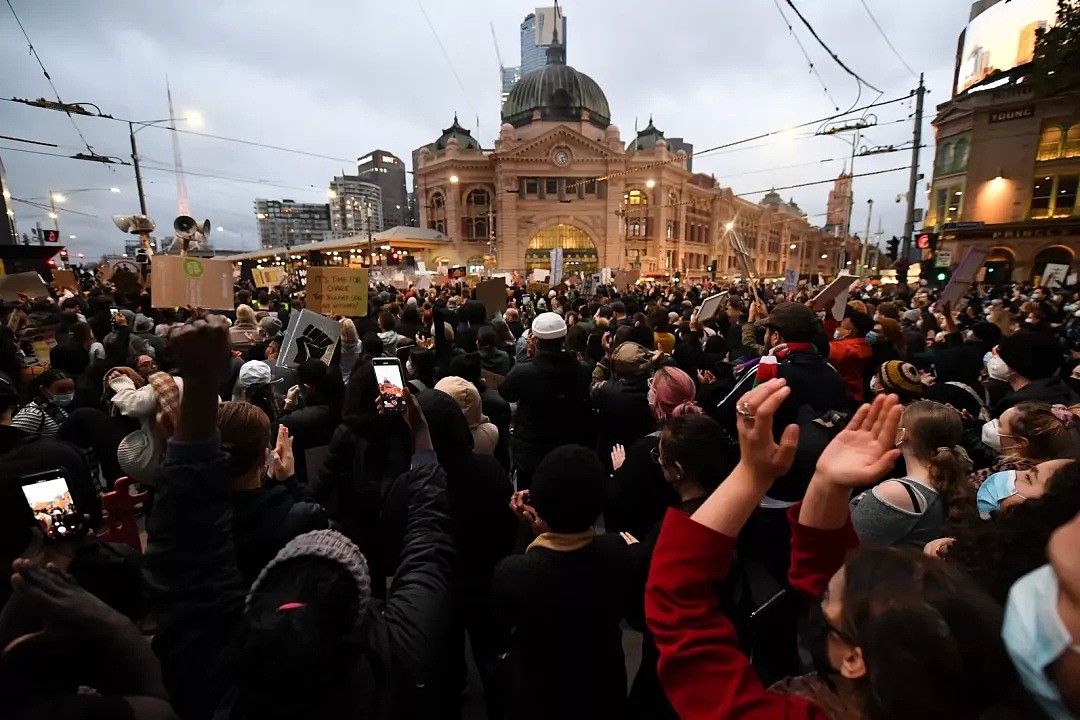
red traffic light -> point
(63, 253)
(926, 241)
(52, 263)
(51, 235)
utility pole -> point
(866, 236)
(913, 180)
(138, 172)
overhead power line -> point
(821, 182)
(886, 39)
(34, 52)
(827, 49)
(806, 55)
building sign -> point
(1014, 114)
(1033, 232)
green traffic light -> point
(941, 276)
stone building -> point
(561, 175)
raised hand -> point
(866, 449)
(201, 349)
(766, 458)
(618, 456)
(283, 464)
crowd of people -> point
(804, 508)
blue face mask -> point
(1034, 636)
(994, 490)
(872, 337)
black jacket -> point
(562, 609)
(623, 415)
(552, 393)
(496, 361)
(310, 427)
(1051, 390)
(193, 576)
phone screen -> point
(391, 384)
(53, 506)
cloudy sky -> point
(338, 79)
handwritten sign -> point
(338, 291)
(199, 282)
(24, 283)
(268, 276)
(65, 279)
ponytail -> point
(949, 468)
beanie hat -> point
(1034, 355)
(897, 376)
(911, 316)
(568, 489)
(326, 545)
(549, 326)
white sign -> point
(310, 336)
(791, 280)
(943, 259)
(1054, 274)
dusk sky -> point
(339, 79)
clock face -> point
(562, 157)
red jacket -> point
(850, 356)
(701, 668)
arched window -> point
(635, 197)
(636, 207)
(1049, 143)
(437, 213)
(477, 221)
(960, 155)
(945, 158)
(1072, 142)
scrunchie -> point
(960, 453)
(1064, 415)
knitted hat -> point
(986, 332)
(897, 376)
(911, 316)
(326, 545)
(549, 326)
(1034, 355)
(143, 324)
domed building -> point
(560, 176)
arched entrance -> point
(579, 251)
(999, 266)
(1057, 254)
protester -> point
(52, 394)
(1029, 363)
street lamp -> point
(193, 118)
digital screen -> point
(52, 505)
(388, 374)
(1000, 38)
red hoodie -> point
(701, 668)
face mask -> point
(1030, 321)
(839, 334)
(818, 644)
(872, 337)
(1034, 636)
(996, 488)
(998, 369)
(875, 387)
(990, 436)
(63, 400)
(1071, 307)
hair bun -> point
(1064, 415)
(688, 407)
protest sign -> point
(791, 280)
(65, 280)
(492, 293)
(835, 296)
(710, 306)
(310, 336)
(338, 291)
(186, 281)
(1054, 274)
(29, 284)
(963, 276)
(268, 277)
(625, 278)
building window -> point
(437, 208)
(551, 186)
(478, 198)
(1054, 196)
(590, 187)
(635, 197)
(1058, 141)
(948, 204)
(437, 201)
(532, 186)
(945, 158)
(953, 156)
(670, 229)
(474, 225)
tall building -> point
(356, 206)
(838, 211)
(510, 76)
(537, 190)
(383, 168)
(537, 33)
(288, 223)
(1025, 48)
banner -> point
(492, 293)
(338, 291)
(556, 266)
(199, 282)
(310, 336)
(268, 277)
(29, 284)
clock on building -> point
(562, 158)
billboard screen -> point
(1001, 38)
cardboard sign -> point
(1054, 274)
(199, 282)
(538, 287)
(710, 306)
(963, 276)
(831, 295)
(268, 277)
(310, 336)
(338, 291)
(625, 278)
(493, 294)
(29, 284)
(65, 279)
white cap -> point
(549, 326)
(254, 372)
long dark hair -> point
(701, 448)
(929, 635)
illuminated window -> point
(635, 197)
(948, 204)
(1050, 143)
(1071, 147)
(1053, 196)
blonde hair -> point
(245, 314)
(348, 331)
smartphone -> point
(391, 382)
(52, 504)
(113, 312)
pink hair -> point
(672, 394)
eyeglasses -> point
(657, 457)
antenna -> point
(181, 186)
(498, 54)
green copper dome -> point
(647, 138)
(464, 138)
(558, 92)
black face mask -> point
(818, 644)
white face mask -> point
(1035, 636)
(997, 368)
(990, 436)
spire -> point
(556, 53)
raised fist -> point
(311, 344)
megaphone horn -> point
(184, 225)
(205, 227)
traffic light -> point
(941, 276)
(926, 241)
(50, 236)
(64, 254)
(893, 246)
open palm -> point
(865, 450)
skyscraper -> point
(286, 222)
(356, 206)
(383, 168)
(537, 32)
